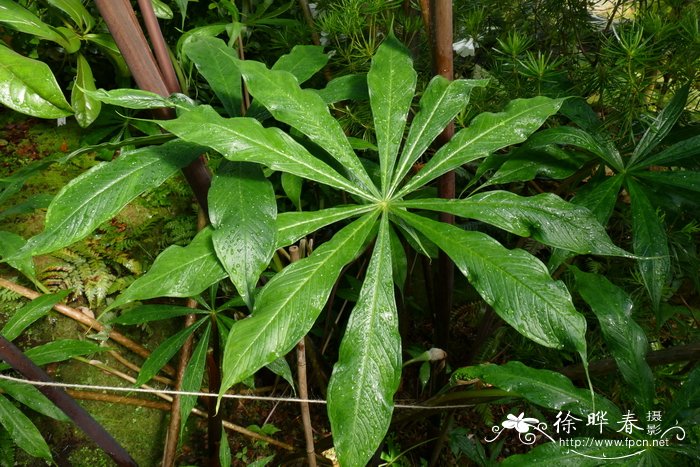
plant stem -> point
(215, 417)
(295, 255)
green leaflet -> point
(391, 82)
(32, 398)
(649, 240)
(242, 210)
(22, 430)
(291, 185)
(526, 163)
(20, 19)
(292, 226)
(545, 217)
(623, 336)
(165, 351)
(679, 152)
(286, 308)
(683, 179)
(10, 243)
(178, 272)
(193, 376)
(58, 351)
(146, 313)
(440, 103)
(216, 62)
(303, 61)
(100, 193)
(246, 140)
(542, 387)
(29, 87)
(76, 11)
(85, 106)
(304, 110)
(487, 133)
(515, 283)
(368, 370)
(29, 313)
(130, 98)
(347, 87)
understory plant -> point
(388, 204)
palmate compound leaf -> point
(516, 284)
(286, 308)
(368, 370)
(242, 210)
(545, 217)
(100, 193)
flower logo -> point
(520, 423)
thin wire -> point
(208, 394)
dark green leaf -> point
(165, 351)
(29, 87)
(86, 107)
(545, 217)
(686, 400)
(343, 88)
(516, 284)
(34, 202)
(75, 11)
(303, 61)
(29, 313)
(130, 98)
(100, 193)
(650, 241)
(32, 398)
(217, 63)
(281, 368)
(288, 305)
(23, 432)
(441, 101)
(193, 376)
(684, 179)
(246, 140)
(58, 351)
(392, 82)
(291, 184)
(305, 111)
(242, 210)
(674, 154)
(292, 226)
(562, 455)
(525, 164)
(368, 371)
(178, 272)
(487, 133)
(15, 16)
(623, 336)
(542, 387)
(660, 126)
(10, 244)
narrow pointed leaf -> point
(623, 336)
(242, 210)
(164, 352)
(526, 164)
(292, 226)
(75, 11)
(245, 139)
(29, 87)
(32, 398)
(288, 305)
(291, 184)
(440, 103)
(674, 154)
(487, 133)
(86, 107)
(11, 243)
(392, 82)
(686, 399)
(281, 368)
(545, 217)
(516, 284)
(58, 351)
(178, 272)
(304, 110)
(193, 377)
(23, 432)
(303, 61)
(215, 61)
(100, 193)
(343, 88)
(649, 240)
(684, 179)
(545, 388)
(29, 313)
(660, 126)
(130, 98)
(15, 16)
(368, 371)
